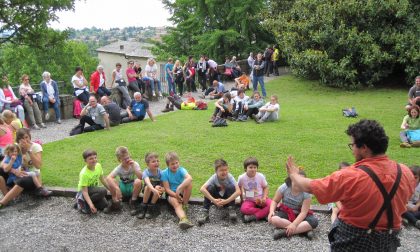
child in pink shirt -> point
(254, 192)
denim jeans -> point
(152, 83)
(46, 103)
(171, 84)
(255, 81)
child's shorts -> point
(126, 189)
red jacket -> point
(95, 80)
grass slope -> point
(311, 128)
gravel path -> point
(53, 225)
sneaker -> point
(204, 217)
(36, 127)
(255, 117)
(43, 125)
(415, 144)
(142, 211)
(58, 121)
(149, 211)
(404, 221)
(405, 145)
(160, 94)
(47, 116)
(82, 206)
(249, 218)
(153, 93)
(184, 224)
(417, 224)
(310, 235)
(279, 233)
(113, 207)
(232, 214)
(43, 192)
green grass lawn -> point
(311, 128)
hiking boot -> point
(405, 145)
(168, 109)
(204, 217)
(415, 144)
(142, 211)
(249, 218)
(417, 224)
(279, 233)
(150, 211)
(310, 235)
(43, 192)
(232, 214)
(184, 223)
(115, 206)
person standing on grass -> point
(258, 74)
(373, 191)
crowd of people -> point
(372, 197)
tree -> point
(26, 22)
(214, 27)
(59, 59)
(349, 43)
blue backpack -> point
(413, 135)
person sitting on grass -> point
(242, 80)
(137, 109)
(115, 113)
(90, 197)
(178, 186)
(335, 207)
(254, 192)
(215, 91)
(238, 104)
(410, 122)
(252, 106)
(223, 107)
(31, 159)
(12, 164)
(221, 190)
(153, 188)
(292, 216)
(412, 215)
(95, 115)
(268, 112)
(414, 94)
(129, 185)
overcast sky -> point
(107, 14)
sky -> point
(106, 14)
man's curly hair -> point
(369, 133)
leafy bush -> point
(349, 43)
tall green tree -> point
(349, 43)
(26, 21)
(215, 27)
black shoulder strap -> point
(387, 197)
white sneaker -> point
(160, 94)
(47, 116)
(153, 93)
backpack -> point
(350, 112)
(219, 122)
(413, 135)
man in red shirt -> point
(374, 192)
